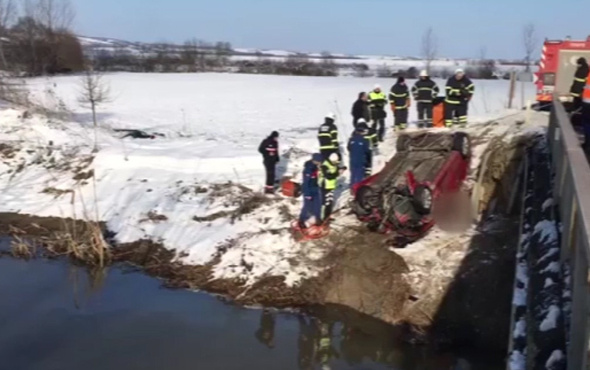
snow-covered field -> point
(170, 189)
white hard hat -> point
(331, 116)
(361, 120)
(334, 158)
(377, 86)
(459, 70)
(424, 73)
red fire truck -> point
(557, 68)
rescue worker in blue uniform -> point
(359, 149)
(329, 172)
(328, 136)
(312, 202)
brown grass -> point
(154, 216)
(57, 192)
(21, 248)
(83, 175)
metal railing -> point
(572, 195)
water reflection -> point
(59, 317)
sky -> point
(467, 28)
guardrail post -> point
(578, 340)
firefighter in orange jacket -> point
(585, 99)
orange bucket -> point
(438, 115)
(290, 188)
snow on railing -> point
(537, 332)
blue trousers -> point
(312, 206)
(357, 174)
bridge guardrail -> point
(572, 195)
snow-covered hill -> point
(94, 45)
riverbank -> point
(424, 287)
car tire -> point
(423, 198)
(462, 144)
(363, 201)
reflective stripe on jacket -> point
(328, 175)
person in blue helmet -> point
(359, 148)
(312, 202)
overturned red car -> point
(399, 199)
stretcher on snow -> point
(312, 232)
(399, 199)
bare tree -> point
(429, 47)
(530, 43)
(42, 39)
(55, 15)
(94, 92)
(190, 54)
(7, 16)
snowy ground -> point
(172, 189)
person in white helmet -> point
(459, 91)
(329, 172)
(371, 132)
(424, 92)
(377, 102)
(328, 136)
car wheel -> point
(423, 198)
(462, 144)
(364, 200)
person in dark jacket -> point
(399, 97)
(359, 149)
(424, 92)
(360, 109)
(459, 91)
(269, 148)
(377, 102)
(312, 202)
(577, 88)
(328, 136)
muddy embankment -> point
(452, 287)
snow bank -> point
(212, 123)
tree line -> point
(36, 37)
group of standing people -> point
(371, 107)
(321, 172)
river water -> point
(54, 316)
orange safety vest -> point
(586, 92)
